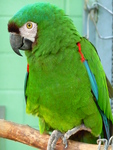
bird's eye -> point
(29, 25)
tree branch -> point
(32, 137)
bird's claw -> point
(64, 139)
(53, 139)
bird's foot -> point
(57, 134)
(53, 139)
(72, 132)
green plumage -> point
(58, 87)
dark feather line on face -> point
(12, 27)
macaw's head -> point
(41, 28)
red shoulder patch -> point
(79, 50)
(28, 68)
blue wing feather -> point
(92, 80)
(95, 92)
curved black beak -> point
(17, 42)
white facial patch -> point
(29, 31)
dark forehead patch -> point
(12, 27)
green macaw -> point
(66, 86)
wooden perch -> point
(32, 137)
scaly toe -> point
(53, 139)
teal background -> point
(13, 67)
